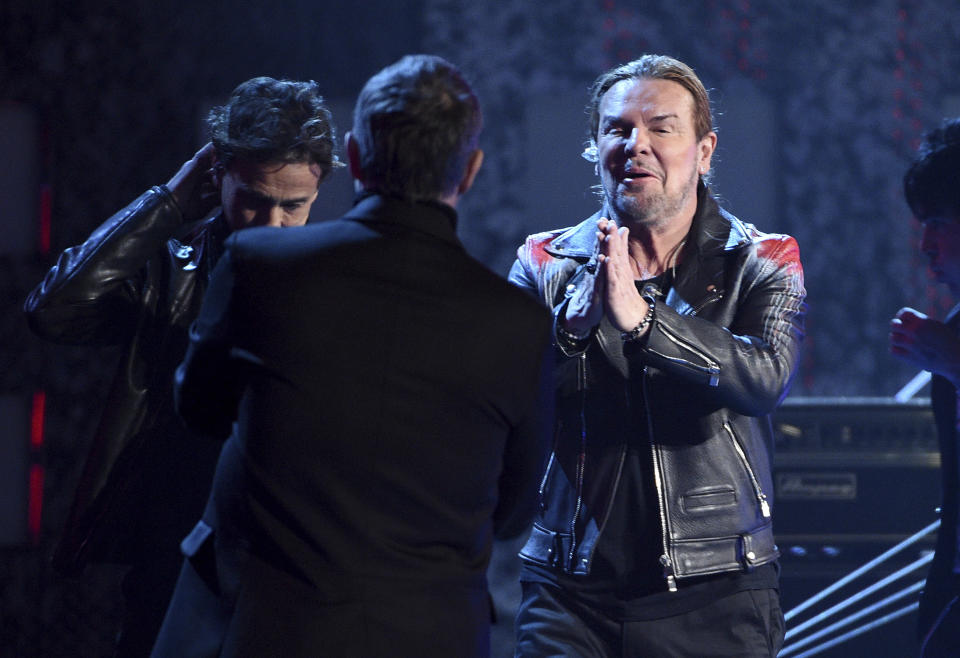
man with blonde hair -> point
(677, 330)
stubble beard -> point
(651, 210)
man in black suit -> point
(932, 187)
(387, 404)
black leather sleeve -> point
(748, 365)
(92, 293)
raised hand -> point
(193, 185)
(624, 306)
(585, 308)
(925, 343)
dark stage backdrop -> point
(819, 106)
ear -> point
(706, 148)
(353, 156)
(473, 167)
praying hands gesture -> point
(609, 289)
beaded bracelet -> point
(637, 332)
(572, 337)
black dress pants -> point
(747, 624)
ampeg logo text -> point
(816, 486)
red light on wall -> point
(37, 471)
(36, 419)
(35, 503)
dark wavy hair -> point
(268, 120)
(932, 183)
(416, 123)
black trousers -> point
(748, 624)
(147, 589)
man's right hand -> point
(193, 185)
(585, 308)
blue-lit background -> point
(819, 106)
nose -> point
(276, 217)
(269, 216)
(638, 141)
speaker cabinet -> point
(854, 477)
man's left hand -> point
(925, 343)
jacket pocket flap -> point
(706, 499)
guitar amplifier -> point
(853, 477)
(854, 469)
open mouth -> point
(632, 177)
(636, 174)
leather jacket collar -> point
(714, 228)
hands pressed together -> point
(925, 343)
(609, 289)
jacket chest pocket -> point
(709, 499)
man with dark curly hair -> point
(932, 189)
(138, 281)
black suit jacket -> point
(388, 407)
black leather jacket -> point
(137, 281)
(716, 361)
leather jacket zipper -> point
(712, 368)
(581, 458)
(546, 475)
(757, 489)
(713, 297)
(665, 561)
(582, 372)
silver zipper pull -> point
(764, 506)
(714, 376)
(667, 564)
